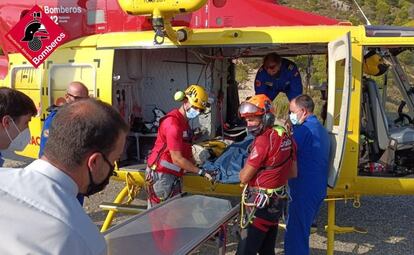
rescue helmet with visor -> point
(258, 105)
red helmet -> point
(257, 105)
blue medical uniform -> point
(46, 126)
(287, 81)
(308, 190)
(45, 135)
(1, 161)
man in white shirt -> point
(39, 212)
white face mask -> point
(20, 141)
(294, 118)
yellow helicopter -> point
(369, 110)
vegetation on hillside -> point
(379, 12)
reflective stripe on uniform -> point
(170, 166)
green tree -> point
(383, 9)
(394, 3)
(242, 72)
(370, 3)
(402, 16)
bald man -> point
(76, 91)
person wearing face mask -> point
(16, 111)
(43, 215)
(271, 162)
(76, 91)
(278, 75)
(309, 188)
(171, 155)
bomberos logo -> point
(36, 36)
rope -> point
(133, 187)
(245, 222)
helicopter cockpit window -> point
(393, 100)
(397, 87)
(387, 111)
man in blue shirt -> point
(278, 75)
(308, 190)
(16, 111)
(76, 90)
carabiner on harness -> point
(261, 200)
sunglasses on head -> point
(75, 97)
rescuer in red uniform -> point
(272, 160)
(172, 156)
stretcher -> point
(134, 179)
(177, 226)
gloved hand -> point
(206, 175)
(209, 177)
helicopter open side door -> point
(339, 85)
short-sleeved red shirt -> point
(173, 135)
(267, 150)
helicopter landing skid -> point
(333, 229)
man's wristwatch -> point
(201, 172)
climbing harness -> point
(260, 201)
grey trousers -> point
(164, 185)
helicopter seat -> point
(384, 130)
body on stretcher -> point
(192, 183)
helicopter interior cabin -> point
(145, 80)
(387, 111)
